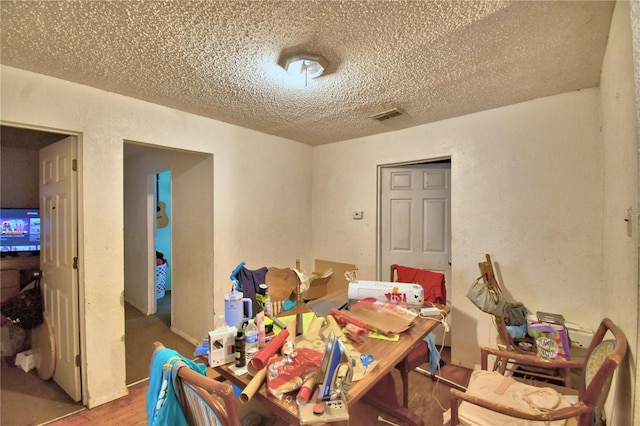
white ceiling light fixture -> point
(304, 65)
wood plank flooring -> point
(428, 400)
(129, 411)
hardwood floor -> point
(129, 411)
(429, 400)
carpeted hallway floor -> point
(141, 331)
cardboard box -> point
(338, 282)
(317, 288)
(26, 360)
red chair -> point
(435, 291)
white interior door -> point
(58, 251)
(415, 219)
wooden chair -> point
(597, 369)
(204, 400)
(418, 355)
(509, 350)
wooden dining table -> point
(377, 387)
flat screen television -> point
(20, 230)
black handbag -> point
(25, 309)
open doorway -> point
(180, 183)
(163, 246)
(19, 177)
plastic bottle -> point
(251, 339)
(220, 322)
(241, 360)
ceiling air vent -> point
(381, 116)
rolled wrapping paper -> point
(291, 328)
(259, 361)
(355, 333)
(253, 386)
(314, 328)
(335, 327)
(306, 390)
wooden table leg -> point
(383, 396)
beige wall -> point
(531, 185)
(23, 192)
(526, 188)
(192, 242)
(261, 202)
(619, 291)
(537, 185)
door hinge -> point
(75, 263)
(78, 360)
(74, 165)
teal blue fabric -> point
(434, 355)
(163, 407)
(288, 305)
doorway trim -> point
(379, 272)
(82, 325)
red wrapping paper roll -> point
(260, 359)
(306, 390)
(303, 395)
(355, 333)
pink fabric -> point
(432, 283)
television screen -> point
(20, 231)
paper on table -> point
(381, 319)
(307, 317)
(238, 371)
(376, 335)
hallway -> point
(47, 402)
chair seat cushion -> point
(494, 387)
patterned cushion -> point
(593, 364)
(596, 359)
(200, 413)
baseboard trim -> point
(108, 398)
(465, 364)
(185, 336)
(138, 382)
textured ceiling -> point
(432, 59)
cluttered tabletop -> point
(310, 363)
